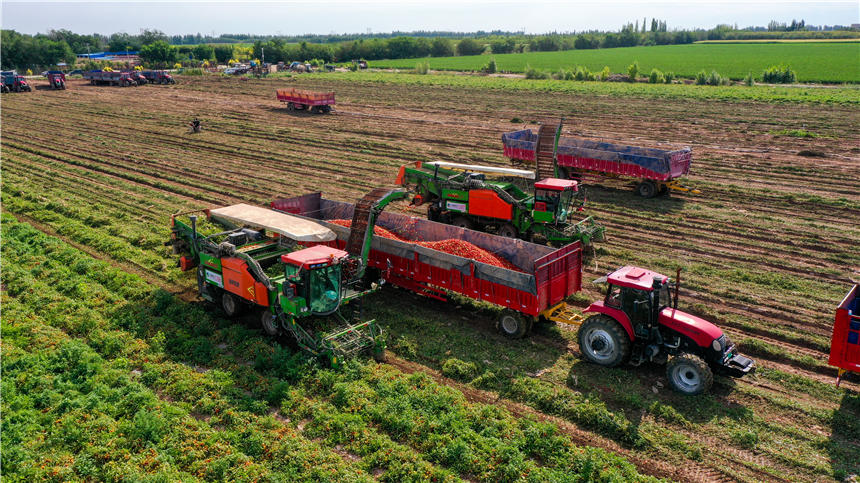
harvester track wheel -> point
(231, 304)
(462, 222)
(603, 341)
(689, 374)
(646, 189)
(508, 231)
(269, 322)
(512, 325)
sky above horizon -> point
(380, 16)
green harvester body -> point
(297, 289)
(465, 198)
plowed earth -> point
(768, 248)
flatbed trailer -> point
(546, 276)
(845, 342)
(657, 170)
(297, 100)
(100, 77)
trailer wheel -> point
(462, 222)
(269, 322)
(603, 341)
(326, 109)
(646, 189)
(508, 231)
(290, 106)
(689, 374)
(512, 325)
(231, 305)
(664, 190)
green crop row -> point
(840, 95)
(126, 338)
(813, 61)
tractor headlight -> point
(717, 345)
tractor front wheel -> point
(269, 322)
(231, 304)
(603, 341)
(646, 189)
(512, 324)
(689, 374)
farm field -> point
(110, 356)
(812, 61)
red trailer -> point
(544, 278)
(845, 343)
(657, 170)
(299, 100)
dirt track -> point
(769, 245)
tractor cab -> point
(553, 198)
(641, 294)
(314, 275)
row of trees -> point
(43, 50)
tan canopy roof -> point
(296, 228)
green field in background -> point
(812, 61)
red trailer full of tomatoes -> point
(845, 343)
(431, 259)
(297, 100)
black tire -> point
(508, 231)
(326, 109)
(646, 189)
(269, 322)
(380, 355)
(603, 341)
(231, 304)
(689, 374)
(664, 190)
(290, 106)
(512, 324)
(463, 222)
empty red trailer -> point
(845, 343)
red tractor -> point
(57, 79)
(638, 321)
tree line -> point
(156, 49)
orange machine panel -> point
(487, 203)
(238, 280)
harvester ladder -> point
(545, 148)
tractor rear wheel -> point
(646, 189)
(689, 374)
(603, 341)
(508, 231)
(231, 304)
(512, 325)
(269, 322)
(462, 222)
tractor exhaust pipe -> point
(677, 287)
(193, 227)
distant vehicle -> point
(361, 63)
(57, 79)
(11, 81)
(137, 76)
(99, 77)
(157, 77)
(329, 68)
(76, 72)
